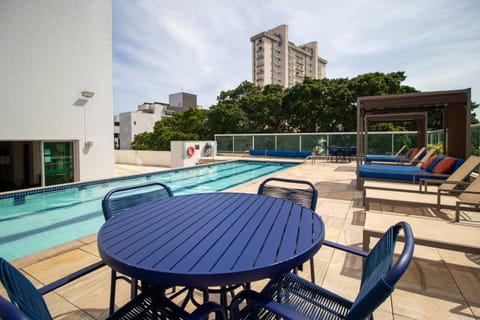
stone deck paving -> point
(439, 284)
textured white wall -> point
(50, 51)
(143, 157)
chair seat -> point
(306, 298)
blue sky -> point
(203, 47)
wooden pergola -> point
(454, 105)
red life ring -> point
(190, 151)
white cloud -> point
(203, 47)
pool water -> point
(39, 221)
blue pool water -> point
(32, 222)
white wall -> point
(133, 123)
(180, 157)
(50, 51)
(143, 157)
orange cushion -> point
(414, 152)
(428, 162)
(444, 166)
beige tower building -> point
(275, 60)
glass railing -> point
(378, 142)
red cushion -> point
(428, 162)
(444, 166)
(414, 152)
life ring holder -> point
(190, 151)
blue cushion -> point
(458, 163)
(280, 153)
(257, 152)
(422, 154)
(392, 172)
(380, 158)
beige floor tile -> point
(95, 300)
(352, 236)
(468, 280)
(89, 239)
(383, 315)
(344, 282)
(344, 261)
(91, 248)
(60, 308)
(324, 254)
(423, 274)
(33, 258)
(61, 265)
(430, 304)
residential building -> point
(182, 100)
(276, 60)
(56, 92)
(129, 124)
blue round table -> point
(211, 239)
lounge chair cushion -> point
(378, 171)
(428, 162)
(409, 152)
(413, 153)
(444, 165)
(424, 152)
(383, 158)
(458, 164)
(435, 162)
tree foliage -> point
(316, 105)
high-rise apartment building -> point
(276, 60)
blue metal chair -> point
(121, 198)
(299, 191)
(9, 311)
(292, 297)
(28, 303)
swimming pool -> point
(36, 220)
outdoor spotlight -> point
(87, 94)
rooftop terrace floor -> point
(439, 284)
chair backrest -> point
(417, 155)
(425, 157)
(473, 192)
(22, 293)
(462, 172)
(400, 150)
(299, 191)
(379, 276)
(121, 198)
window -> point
(58, 162)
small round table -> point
(210, 239)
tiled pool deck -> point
(439, 284)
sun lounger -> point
(399, 152)
(395, 159)
(468, 199)
(456, 179)
(408, 173)
(431, 232)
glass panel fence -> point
(380, 143)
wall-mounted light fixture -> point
(87, 94)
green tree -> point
(227, 117)
(188, 125)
